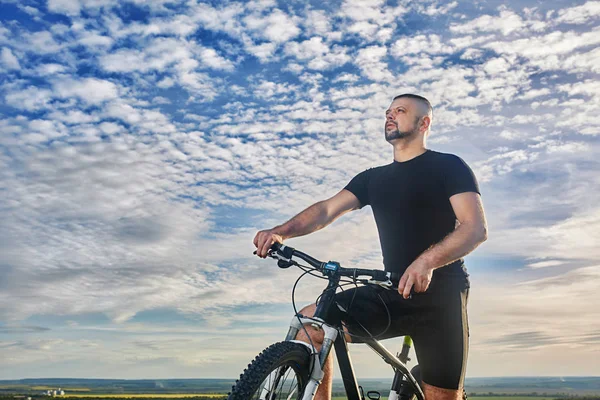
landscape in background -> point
(541, 388)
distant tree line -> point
(122, 397)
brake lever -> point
(384, 284)
(388, 285)
(269, 253)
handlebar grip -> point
(379, 275)
(383, 275)
(276, 246)
(282, 249)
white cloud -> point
(110, 128)
(224, 19)
(8, 59)
(277, 27)
(90, 90)
(4, 34)
(310, 48)
(469, 42)
(431, 44)
(31, 11)
(73, 117)
(177, 25)
(545, 264)
(95, 41)
(588, 88)
(363, 10)
(165, 83)
(49, 69)
(68, 7)
(544, 50)
(213, 60)
(495, 66)
(73, 8)
(41, 42)
(371, 62)
(347, 78)
(579, 14)
(506, 23)
(510, 135)
(317, 23)
(158, 55)
(372, 20)
(472, 54)
(161, 100)
(264, 51)
(317, 53)
(435, 9)
(268, 90)
(177, 55)
(31, 99)
(584, 62)
(533, 93)
(504, 163)
(363, 28)
(500, 79)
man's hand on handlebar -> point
(264, 240)
(416, 277)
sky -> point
(144, 143)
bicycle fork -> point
(318, 359)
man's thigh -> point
(369, 311)
(442, 342)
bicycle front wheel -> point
(281, 371)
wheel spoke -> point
(292, 389)
(284, 381)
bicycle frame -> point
(334, 338)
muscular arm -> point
(470, 233)
(315, 217)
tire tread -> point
(262, 365)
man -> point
(429, 214)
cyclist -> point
(429, 215)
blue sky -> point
(143, 143)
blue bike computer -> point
(331, 266)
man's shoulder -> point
(446, 160)
(442, 156)
(377, 168)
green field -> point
(145, 395)
(509, 398)
(485, 398)
(509, 388)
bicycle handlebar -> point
(377, 275)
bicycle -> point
(266, 378)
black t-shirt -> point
(411, 205)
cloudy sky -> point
(143, 143)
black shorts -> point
(436, 321)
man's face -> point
(401, 119)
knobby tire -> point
(293, 357)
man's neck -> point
(404, 151)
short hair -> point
(422, 100)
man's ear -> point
(426, 122)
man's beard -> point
(397, 134)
